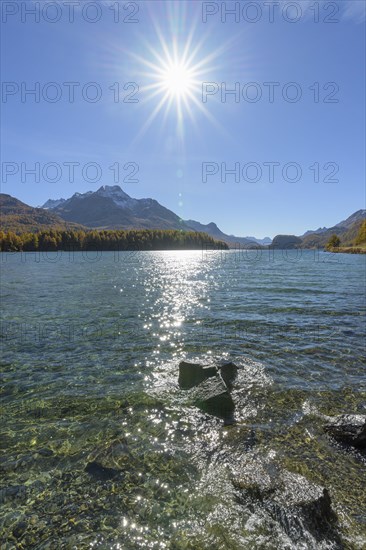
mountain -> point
(212, 230)
(346, 230)
(349, 238)
(265, 242)
(283, 242)
(312, 231)
(48, 205)
(358, 216)
(111, 208)
(18, 217)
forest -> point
(144, 239)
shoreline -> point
(347, 250)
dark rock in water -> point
(192, 374)
(228, 372)
(45, 452)
(299, 506)
(212, 397)
(109, 461)
(349, 429)
(100, 472)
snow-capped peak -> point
(115, 193)
(78, 195)
(112, 191)
(50, 204)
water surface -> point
(91, 346)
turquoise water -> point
(91, 345)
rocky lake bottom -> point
(109, 442)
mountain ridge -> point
(19, 217)
(345, 229)
(109, 207)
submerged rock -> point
(349, 429)
(109, 461)
(309, 502)
(45, 452)
(229, 372)
(212, 397)
(299, 506)
(100, 472)
(192, 374)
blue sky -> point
(325, 129)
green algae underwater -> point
(100, 448)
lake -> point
(91, 347)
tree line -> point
(335, 242)
(135, 239)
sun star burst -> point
(173, 74)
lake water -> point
(91, 346)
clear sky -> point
(303, 62)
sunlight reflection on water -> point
(91, 353)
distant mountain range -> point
(357, 216)
(214, 231)
(347, 230)
(111, 208)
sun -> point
(173, 80)
(177, 79)
(172, 67)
